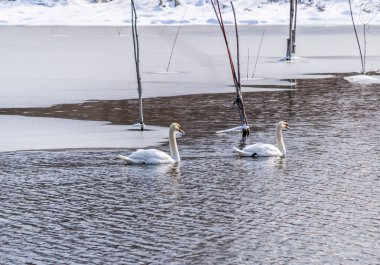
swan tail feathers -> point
(241, 152)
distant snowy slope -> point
(192, 12)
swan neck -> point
(280, 140)
(173, 145)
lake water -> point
(319, 205)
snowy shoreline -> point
(190, 12)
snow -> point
(190, 12)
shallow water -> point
(319, 205)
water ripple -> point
(319, 205)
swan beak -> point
(181, 130)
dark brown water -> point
(319, 205)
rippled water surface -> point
(319, 205)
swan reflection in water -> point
(154, 173)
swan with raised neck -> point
(261, 149)
(154, 156)
(174, 127)
(279, 137)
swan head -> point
(283, 125)
(176, 127)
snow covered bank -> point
(192, 12)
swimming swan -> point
(260, 149)
(154, 156)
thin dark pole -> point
(218, 14)
(248, 63)
(175, 40)
(236, 76)
(136, 49)
(294, 27)
(290, 39)
(237, 44)
(239, 99)
(365, 46)
(258, 53)
(357, 38)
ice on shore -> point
(34, 133)
(363, 79)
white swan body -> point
(154, 156)
(148, 156)
(261, 149)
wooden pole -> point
(291, 46)
(239, 99)
(258, 53)
(218, 13)
(237, 44)
(289, 40)
(365, 47)
(248, 63)
(175, 40)
(357, 38)
(136, 49)
(236, 76)
(294, 28)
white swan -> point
(260, 149)
(154, 156)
